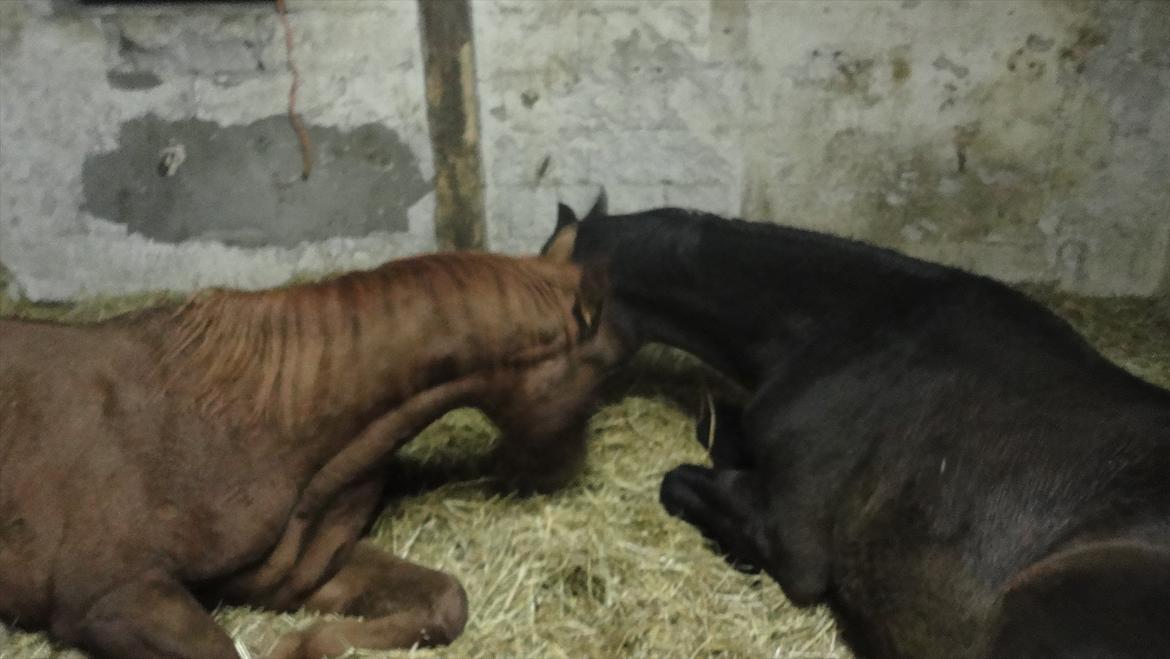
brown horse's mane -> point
(284, 352)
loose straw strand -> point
(711, 426)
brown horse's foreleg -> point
(403, 604)
(152, 616)
(355, 462)
(326, 546)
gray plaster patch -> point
(241, 185)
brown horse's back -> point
(91, 451)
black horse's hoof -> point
(682, 495)
(678, 493)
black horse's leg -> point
(722, 506)
(765, 502)
(733, 509)
(719, 429)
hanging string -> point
(293, 117)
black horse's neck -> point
(739, 294)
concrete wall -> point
(93, 95)
(1027, 139)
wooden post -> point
(453, 116)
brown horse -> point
(231, 447)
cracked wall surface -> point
(1025, 139)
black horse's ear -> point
(565, 216)
(600, 207)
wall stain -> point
(856, 75)
(542, 169)
(1038, 43)
(900, 69)
(132, 80)
(994, 185)
(231, 46)
(1022, 62)
(1002, 168)
(944, 63)
(1075, 54)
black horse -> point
(943, 461)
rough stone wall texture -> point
(631, 95)
(1025, 139)
(93, 97)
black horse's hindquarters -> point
(918, 436)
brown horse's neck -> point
(319, 358)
